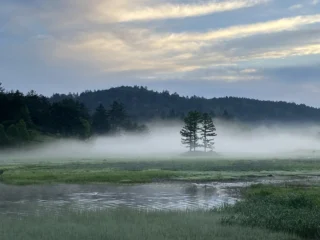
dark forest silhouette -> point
(30, 117)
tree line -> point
(145, 104)
(198, 131)
(31, 117)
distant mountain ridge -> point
(144, 104)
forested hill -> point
(145, 104)
(29, 118)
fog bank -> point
(233, 140)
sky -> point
(263, 49)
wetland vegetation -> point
(145, 170)
(129, 224)
(293, 209)
(276, 210)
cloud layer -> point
(158, 40)
(144, 50)
(148, 11)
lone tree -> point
(207, 132)
(189, 132)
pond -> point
(153, 196)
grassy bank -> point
(292, 209)
(129, 224)
(142, 171)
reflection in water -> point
(170, 196)
(154, 196)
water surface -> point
(154, 196)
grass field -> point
(126, 224)
(142, 171)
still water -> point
(154, 196)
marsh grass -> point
(287, 210)
(142, 171)
(194, 164)
(292, 209)
(126, 224)
(39, 176)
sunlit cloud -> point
(69, 14)
(285, 24)
(145, 50)
(232, 78)
(312, 49)
(135, 12)
(159, 40)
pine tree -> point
(100, 122)
(207, 132)
(117, 116)
(186, 134)
(1, 88)
(189, 132)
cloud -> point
(315, 2)
(311, 49)
(117, 39)
(81, 14)
(128, 13)
(305, 74)
(295, 7)
(248, 70)
(232, 78)
(145, 51)
(311, 87)
(285, 24)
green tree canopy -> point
(23, 131)
(66, 117)
(207, 132)
(13, 134)
(85, 129)
(100, 121)
(189, 134)
(117, 116)
(4, 140)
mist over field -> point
(164, 140)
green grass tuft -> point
(288, 208)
